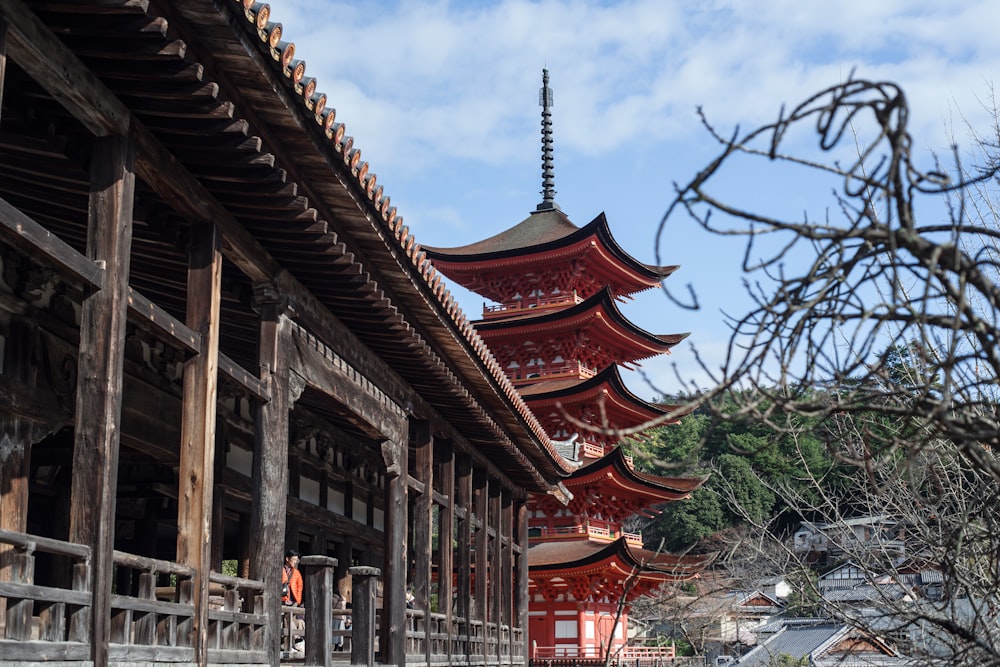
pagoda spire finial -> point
(548, 173)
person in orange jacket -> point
(291, 580)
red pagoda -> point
(557, 331)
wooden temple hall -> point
(219, 342)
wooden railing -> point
(148, 623)
(531, 302)
(639, 656)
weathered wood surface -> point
(198, 412)
(270, 461)
(364, 587)
(422, 444)
(446, 530)
(317, 598)
(101, 361)
(463, 501)
(49, 62)
(392, 641)
(20, 231)
(522, 598)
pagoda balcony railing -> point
(596, 450)
(529, 374)
(630, 655)
(590, 531)
(530, 303)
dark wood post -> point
(198, 409)
(507, 582)
(99, 387)
(363, 589)
(392, 640)
(446, 552)
(480, 489)
(3, 57)
(463, 499)
(423, 445)
(269, 502)
(317, 597)
(497, 582)
(522, 599)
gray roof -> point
(794, 641)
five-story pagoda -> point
(557, 330)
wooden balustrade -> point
(149, 622)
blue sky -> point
(442, 100)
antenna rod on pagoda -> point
(548, 173)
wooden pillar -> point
(99, 386)
(317, 598)
(422, 443)
(507, 582)
(463, 499)
(198, 408)
(365, 581)
(393, 636)
(497, 582)
(3, 58)
(523, 599)
(269, 499)
(480, 490)
(446, 533)
(16, 434)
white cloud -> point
(441, 98)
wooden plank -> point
(34, 652)
(49, 62)
(198, 417)
(101, 362)
(14, 589)
(270, 462)
(29, 237)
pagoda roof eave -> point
(602, 302)
(540, 233)
(616, 460)
(552, 559)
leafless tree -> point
(831, 295)
(878, 320)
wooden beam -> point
(233, 371)
(49, 62)
(31, 238)
(101, 364)
(270, 463)
(198, 413)
(148, 316)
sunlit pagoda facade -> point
(556, 328)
